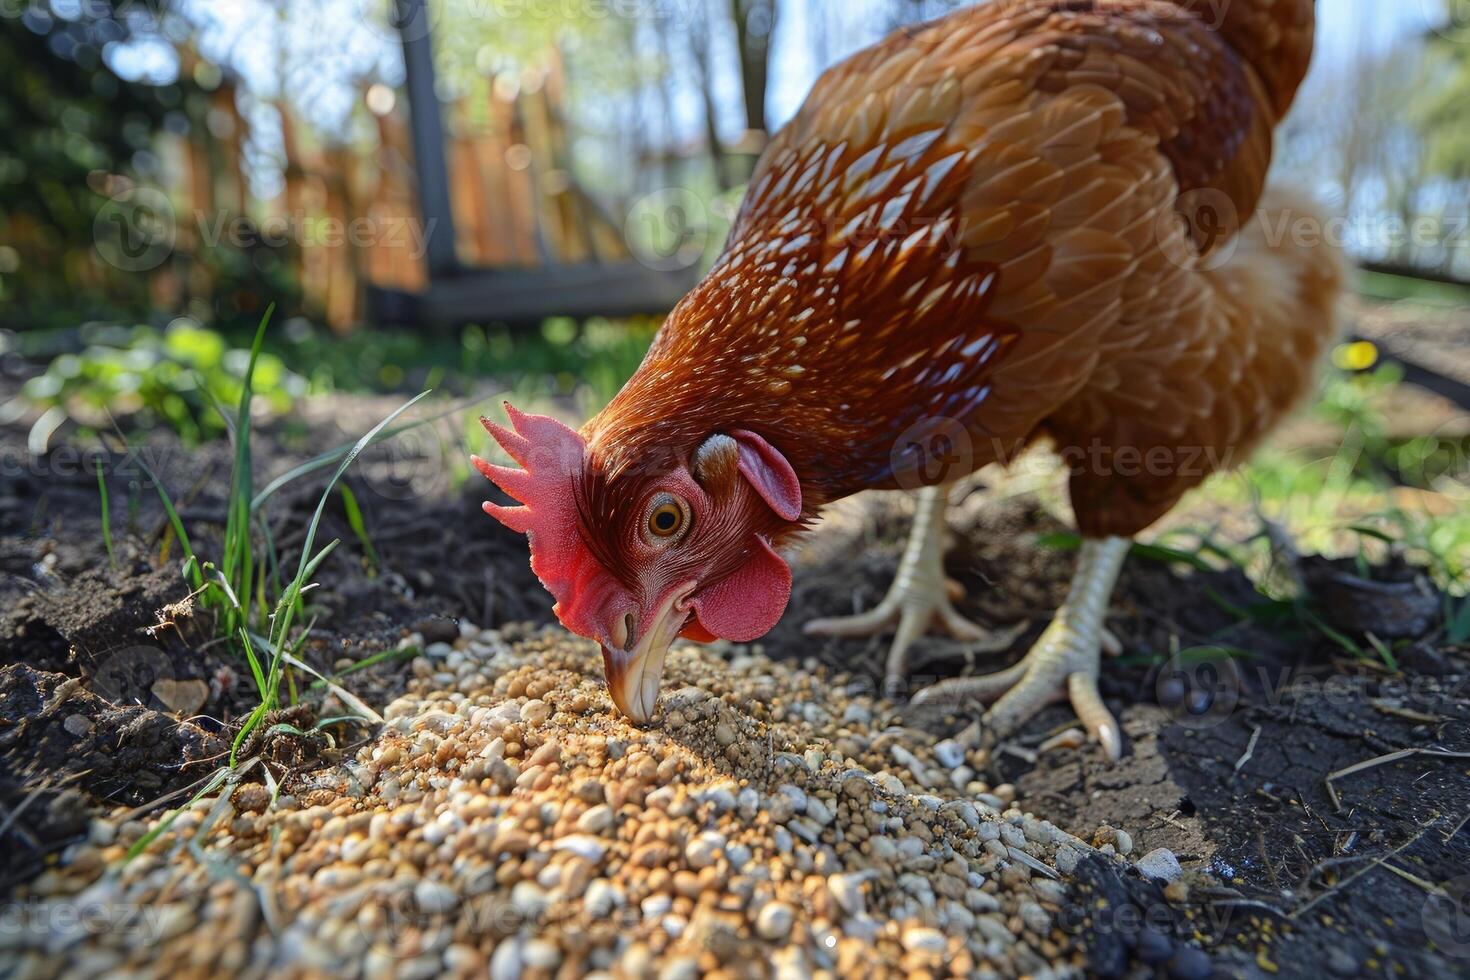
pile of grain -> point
(506, 819)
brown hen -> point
(1028, 219)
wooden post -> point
(428, 138)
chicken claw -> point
(919, 598)
(1064, 657)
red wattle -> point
(748, 603)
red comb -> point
(551, 456)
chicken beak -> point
(633, 675)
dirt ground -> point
(112, 695)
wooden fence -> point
(349, 216)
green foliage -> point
(515, 38)
(244, 588)
(1070, 541)
(175, 377)
(586, 361)
(278, 630)
(1445, 111)
(1344, 494)
(69, 123)
(1332, 500)
(1378, 285)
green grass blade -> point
(197, 576)
(1341, 639)
(255, 669)
(333, 455)
(397, 653)
(251, 722)
(237, 558)
(214, 783)
(1069, 541)
(1059, 541)
(276, 644)
(106, 516)
(286, 609)
(1372, 532)
(219, 409)
(290, 599)
(1384, 651)
(347, 461)
(359, 527)
(1169, 556)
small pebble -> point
(596, 820)
(774, 921)
(1154, 947)
(433, 897)
(1161, 864)
(949, 753)
(705, 849)
(923, 940)
(1189, 963)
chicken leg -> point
(918, 598)
(1065, 655)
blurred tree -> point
(1445, 120)
(699, 47)
(604, 55)
(122, 191)
(72, 126)
(1446, 113)
(755, 26)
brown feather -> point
(996, 219)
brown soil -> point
(112, 694)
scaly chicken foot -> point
(919, 598)
(1064, 658)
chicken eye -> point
(667, 518)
